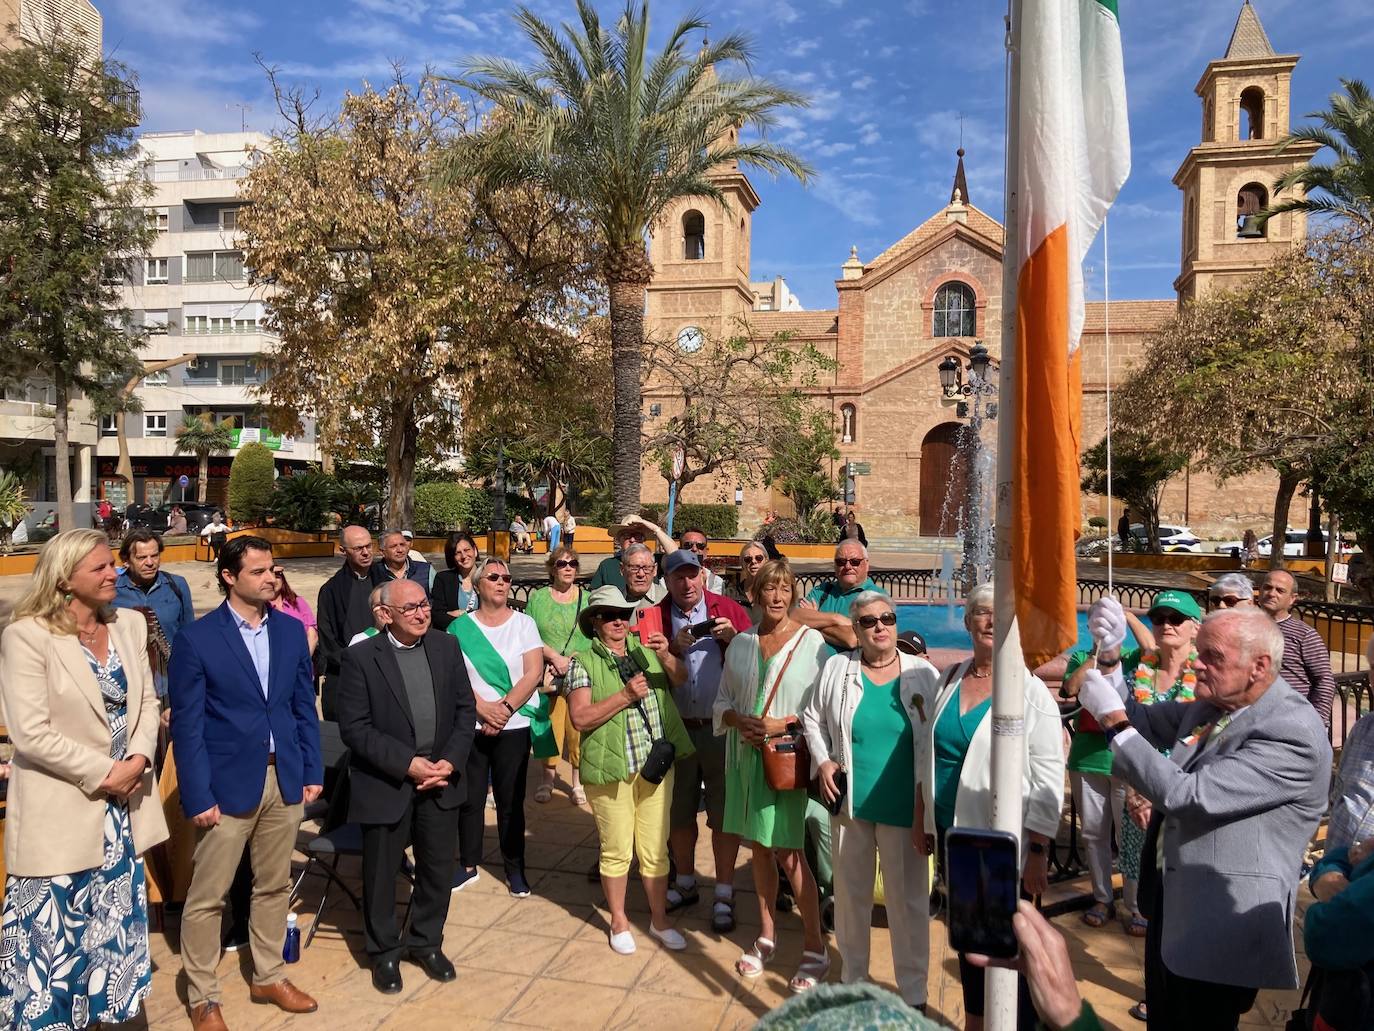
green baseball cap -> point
(1177, 601)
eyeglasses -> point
(754, 560)
(504, 578)
(841, 563)
(1228, 602)
(279, 573)
(637, 568)
(409, 610)
(869, 622)
(565, 563)
(1169, 617)
(694, 545)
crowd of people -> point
(808, 728)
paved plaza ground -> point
(544, 962)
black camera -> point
(841, 779)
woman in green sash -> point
(618, 695)
(555, 610)
(505, 661)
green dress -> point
(753, 810)
(884, 763)
(953, 734)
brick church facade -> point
(937, 291)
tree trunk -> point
(66, 511)
(627, 346)
(1288, 486)
(203, 477)
(125, 467)
(402, 448)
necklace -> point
(1183, 689)
(889, 662)
(973, 674)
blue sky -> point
(889, 82)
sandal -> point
(1138, 1011)
(723, 915)
(678, 898)
(751, 963)
(1099, 914)
(543, 793)
(1137, 926)
(810, 972)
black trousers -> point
(1177, 1003)
(503, 758)
(432, 831)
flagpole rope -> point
(1107, 351)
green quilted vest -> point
(603, 749)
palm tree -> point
(200, 436)
(622, 134)
(1347, 186)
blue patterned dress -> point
(74, 948)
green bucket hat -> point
(1176, 601)
(604, 599)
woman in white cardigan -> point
(956, 775)
(867, 719)
(769, 675)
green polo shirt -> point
(830, 598)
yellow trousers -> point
(632, 818)
(564, 732)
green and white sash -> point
(492, 668)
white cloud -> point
(869, 134)
(856, 203)
(858, 25)
(829, 150)
(455, 22)
(825, 105)
(888, 50)
(407, 10)
(863, 82)
(186, 20)
(802, 47)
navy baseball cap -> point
(677, 559)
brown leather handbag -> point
(786, 757)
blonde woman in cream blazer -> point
(878, 800)
(79, 702)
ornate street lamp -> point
(950, 370)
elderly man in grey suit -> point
(1236, 800)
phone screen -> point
(981, 868)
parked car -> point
(1294, 545)
(197, 516)
(1171, 537)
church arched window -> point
(849, 427)
(955, 311)
(1252, 114)
(694, 235)
(1252, 199)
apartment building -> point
(191, 293)
(26, 409)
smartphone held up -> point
(983, 874)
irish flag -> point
(1073, 156)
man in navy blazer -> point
(246, 743)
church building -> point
(937, 292)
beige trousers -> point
(270, 833)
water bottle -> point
(291, 949)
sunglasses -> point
(1227, 602)
(694, 545)
(1168, 617)
(504, 578)
(841, 563)
(869, 622)
(755, 560)
(409, 610)
(606, 617)
(566, 563)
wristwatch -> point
(1115, 729)
(507, 705)
(1036, 848)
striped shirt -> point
(1352, 813)
(1307, 665)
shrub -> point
(818, 529)
(301, 502)
(251, 483)
(440, 507)
(718, 522)
(1098, 522)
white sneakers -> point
(623, 942)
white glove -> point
(1107, 624)
(1097, 694)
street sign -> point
(860, 468)
(679, 463)
(183, 480)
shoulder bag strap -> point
(573, 632)
(781, 673)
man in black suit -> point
(343, 610)
(407, 715)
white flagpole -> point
(1008, 665)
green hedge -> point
(251, 483)
(718, 522)
(441, 507)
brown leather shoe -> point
(284, 995)
(208, 1017)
